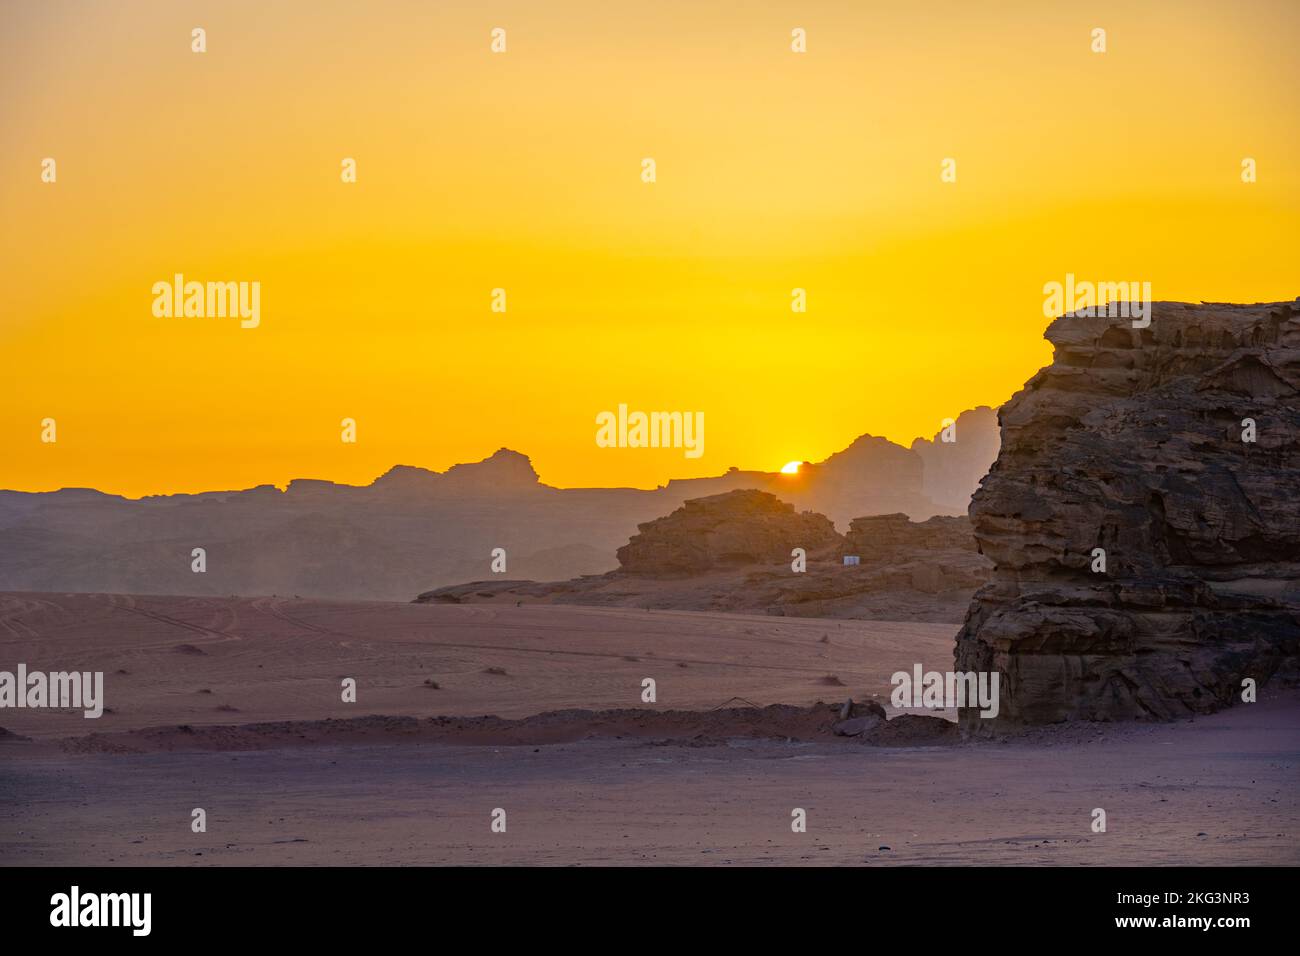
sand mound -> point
(687, 727)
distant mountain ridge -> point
(413, 528)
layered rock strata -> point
(1143, 519)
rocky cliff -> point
(1143, 518)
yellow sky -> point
(522, 170)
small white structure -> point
(851, 559)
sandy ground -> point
(241, 660)
(1217, 790)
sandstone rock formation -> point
(727, 530)
(731, 552)
(933, 556)
(881, 537)
(1131, 442)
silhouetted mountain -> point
(409, 530)
(953, 469)
(504, 474)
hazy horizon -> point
(284, 484)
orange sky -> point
(522, 171)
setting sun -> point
(791, 468)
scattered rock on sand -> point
(856, 726)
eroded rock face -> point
(931, 556)
(1131, 442)
(879, 537)
(727, 530)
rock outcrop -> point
(727, 530)
(883, 537)
(933, 556)
(731, 553)
(1129, 446)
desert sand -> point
(243, 660)
(233, 705)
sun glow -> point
(791, 468)
(520, 190)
